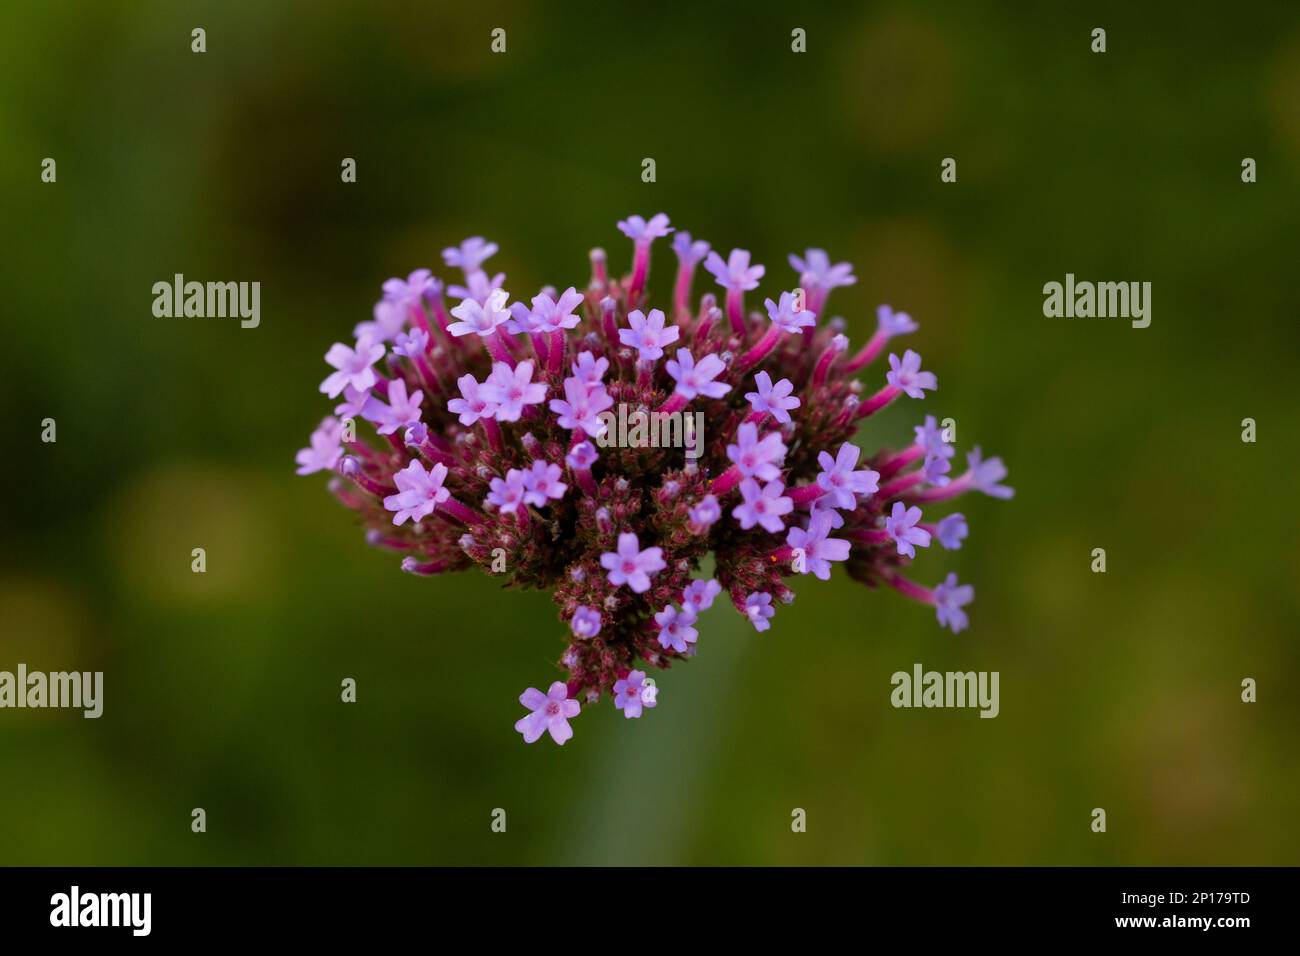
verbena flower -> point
(482, 422)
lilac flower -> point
(816, 265)
(759, 610)
(480, 319)
(985, 475)
(930, 437)
(418, 492)
(389, 321)
(353, 366)
(470, 255)
(736, 274)
(353, 404)
(901, 526)
(590, 370)
(630, 694)
(689, 252)
(547, 314)
(951, 530)
(648, 335)
(478, 287)
(775, 400)
(841, 482)
(550, 712)
(907, 375)
(699, 595)
(762, 505)
(949, 599)
(325, 451)
(890, 323)
(705, 513)
(398, 412)
(935, 471)
(473, 403)
(585, 622)
(638, 230)
(410, 291)
(411, 344)
(785, 317)
(510, 389)
(818, 549)
(508, 494)
(826, 506)
(581, 456)
(630, 565)
(581, 407)
(694, 379)
(541, 483)
(755, 458)
(675, 628)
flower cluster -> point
(484, 415)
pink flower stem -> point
(824, 363)
(427, 375)
(610, 327)
(878, 401)
(640, 269)
(805, 494)
(682, 293)
(868, 536)
(705, 324)
(726, 481)
(760, 351)
(781, 555)
(901, 460)
(599, 275)
(461, 512)
(376, 488)
(676, 402)
(644, 373)
(421, 320)
(493, 431)
(910, 589)
(952, 489)
(496, 344)
(899, 485)
(556, 363)
(736, 311)
(541, 348)
(875, 345)
(425, 568)
(755, 418)
(585, 481)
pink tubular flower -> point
(734, 451)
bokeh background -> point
(1119, 690)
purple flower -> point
(648, 335)
(470, 255)
(411, 344)
(688, 252)
(638, 230)
(841, 482)
(581, 407)
(699, 595)
(353, 366)
(825, 506)
(541, 483)
(816, 265)
(736, 274)
(630, 565)
(398, 412)
(761, 459)
(353, 404)
(773, 399)
(759, 610)
(890, 323)
(510, 389)
(389, 321)
(410, 291)
(675, 628)
(478, 287)
(325, 451)
(949, 599)
(705, 513)
(951, 530)
(632, 693)
(585, 622)
(581, 456)
(589, 369)
(694, 379)
(901, 526)
(550, 712)
(762, 505)
(474, 403)
(930, 437)
(907, 375)
(418, 492)
(935, 471)
(547, 315)
(480, 319)
(508, 494)
(787, 318)
(985, 475)
(818, 549)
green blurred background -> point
(222, 690)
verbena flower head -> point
(475, 436)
